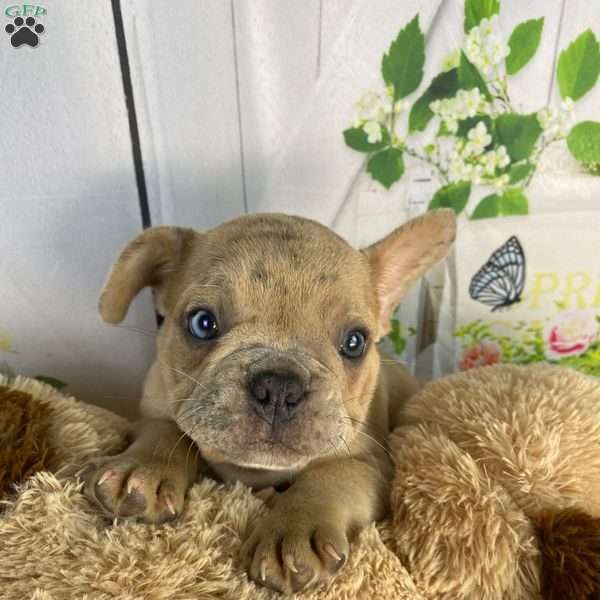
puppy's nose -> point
(276, 395)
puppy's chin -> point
(275, 460)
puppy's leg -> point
(305, 537)
(149, 479)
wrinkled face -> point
(267, 352)
(267, 346)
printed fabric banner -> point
(523, 290)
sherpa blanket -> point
(496, 495)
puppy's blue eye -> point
(202, 324)
(354, 344)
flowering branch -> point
(481, 139)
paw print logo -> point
(24, 31)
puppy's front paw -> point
(289, 553)
(133, 487)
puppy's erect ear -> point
(146, 261)
(402, 257)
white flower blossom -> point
(567, 105)
(466, 103)
(488, 25)
(478, 138)
(386, 106)
(485, 48)
(373, 131)
(474, 102)
(502, 157)
(466, 160)
(477, 174)
(373, 107)
(488, 163)
(436, 107)
(495, 159)
(452, 125)
(451, 60)
(557, 121)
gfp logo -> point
(24, 30)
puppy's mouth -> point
(228, 428)
(263, 408)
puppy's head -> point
(267, 348)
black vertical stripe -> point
(136, 148)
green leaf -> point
(386, 166)
(579, 66)
(520, 171)
(584, 142)
(523, 43)
(454, 196)
(469, 77)
(443, 131)
(511, 202)
(514, 202)
(396, 337)
(357, 139)
(52, 381)
(402, 66)
(487, 208)
(445, 85)
(518, 133)
(476, 10)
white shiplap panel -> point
(68, 202)
(333, 16)
(184, 76)
(277, 50)
(316, 171)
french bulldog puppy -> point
(267, 372)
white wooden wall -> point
(240, 105)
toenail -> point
(289, 563)
(329, 549)
(134, 484)
(170, 505)
(107, 475)
(263, 569)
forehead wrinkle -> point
(324, 275)
(203, 294)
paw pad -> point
(24, 31)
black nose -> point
(276, 395)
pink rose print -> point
(484, 353)
(570, 333)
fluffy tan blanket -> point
(496, 495)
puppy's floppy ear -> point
(403, 256)
(146, 261)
